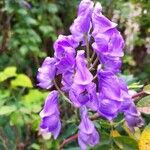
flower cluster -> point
(89, 78)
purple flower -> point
(82, 23)
(84, 95)
(50, 115)
(100, 23)
(110, 94)
(87, 135)
(109, 85)
(65, 53)
(132, 116)
(112, 64)
(67, 80)
(108, 108)
(82, 76)
(109, 43)
(46, 73)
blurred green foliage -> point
(27, 32)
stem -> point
(137, 95)
(57, 87)
(61, 93)
(66, 141)
(111, 137)
(87, 49)
(92, 57)
(95, 77)
(94, 64)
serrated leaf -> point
(22, 80)
(144, 142)
(6, 110)
(126, 143)
(144, 102)
(7, 73)
(147, 89)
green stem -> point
(87, 49)
(94, 64)
(111, 138)
(92, 57)
(61, 93)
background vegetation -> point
(27, 32)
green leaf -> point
(7, 73)
(22, 80)
(34, 95)
(46, 30)
(35, 146)
(6, 110)
(103, 147)
(126, 143)
(136, 85)
(16, 119)
(144, 102)
(52, 8)
(30, 21)
(144, 142)
(33, 100)
(147, 89)
(4, 96)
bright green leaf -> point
(22, 80)
(7, 73)
(34, 95)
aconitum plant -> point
(88, 62)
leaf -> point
(147, 89)
(21, 80)
(135, 86)
(16, 119)
(33, 100)
(134, 135)
(7, 73)
(145, 110)
(144, 142)
(35, 146)
(34, 95)
(144, 102)
(103, 147)
(52, 8)
(126, 143)
(6, 110)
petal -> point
(56, 131)
(46, 73)
(51, 105)
(82, 75)
(109, 85)
(86, 124)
